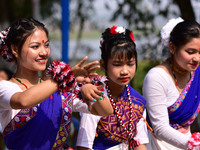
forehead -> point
(193, 44)
(120, 55)
(38, 34)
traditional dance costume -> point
(97, 132)
(170, 113)
(44, 126)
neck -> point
(177, 69)
(28, 78)
(115, 89)
(31, 76)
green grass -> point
(142, 69)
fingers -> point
(98, 93)
(80, 79)
(97, 96)
(100, 87)
(93, 68)
(82, 61)
(93, 74)
(93, 93)
(90, 65)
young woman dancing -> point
(36, 114)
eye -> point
(116, 64)
(34, 46)
(191, 51)
(131, 64)
(46, 45)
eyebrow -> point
(193, 49)
(38, 42)
(121, 60)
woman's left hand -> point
(83, 72)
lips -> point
(194, 65)
(124, 78)
(41, 61)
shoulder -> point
(158, 74)
(137, 97)
(7, 89)
(4, 84)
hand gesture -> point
(83, 72)
(91, 92)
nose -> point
(44, 50)
(196, 57)
(124, 70)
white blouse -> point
(160, 92)
(7, 89)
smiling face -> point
(120, 70)
(34, 53)
(188, 56)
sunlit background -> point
(89, 18)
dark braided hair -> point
(184, 32)
(117, 43)
(21, 30)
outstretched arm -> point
(33, 95)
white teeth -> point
(41, 60)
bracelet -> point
(98, 80)
(62, 73)
(194, 142)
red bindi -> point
(125, 60)
(42, 41)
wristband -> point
(62, 73)
(194, 142)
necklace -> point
(14, 76)
(176, 82)
(116, 110)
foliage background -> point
(144, 17)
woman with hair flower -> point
(126, 126)
(36, 113)
(172, 89)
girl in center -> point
(126, 125)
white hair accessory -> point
(167, 29)
(120, 30)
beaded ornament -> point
(133, 143)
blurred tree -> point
(13, 9)
(186, 9)
(141, 16)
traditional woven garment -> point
(48, 121)
(184, 111)
(109, 131)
